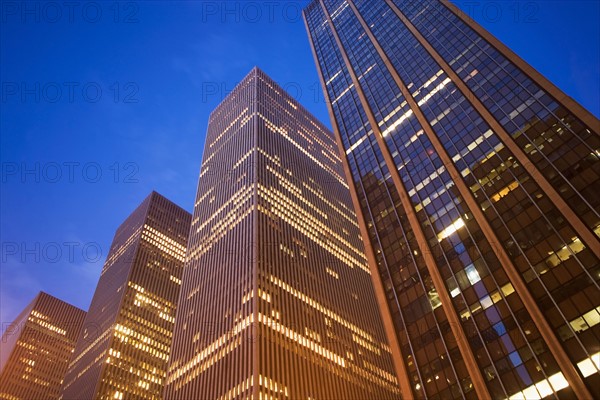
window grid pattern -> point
(124, 348)
(557, 142)
(416, 283)
(36, 348)
(292, 273)
(429, 87)
(513, 357)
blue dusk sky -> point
(103, 102)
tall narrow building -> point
(476, 185)
(277, 300)
(123, 350)
(36, 348)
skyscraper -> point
(36, 348)
(123, 350)
(476, 184)
(277, 301)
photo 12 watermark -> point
(216, 91)
(69, 92)
(91, 329)
(524, 12)
(252, 12)
(71, 12)
(69, 172)
(51, 252)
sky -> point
(103, 102)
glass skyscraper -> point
(277, 300)
(476, 184)
(123, 349)
(36, 348)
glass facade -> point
(476, 182)
(277, 300)
(36, 347)
(123, 350)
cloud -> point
(18, 286)
(73, 281)
(214, 57)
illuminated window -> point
(472, 274)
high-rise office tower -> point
(36, 348)
(476, 184)
(123, 350)
(277, 300)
